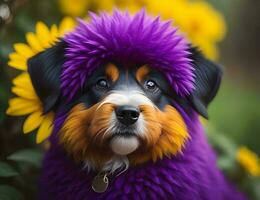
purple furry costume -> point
(192, 174)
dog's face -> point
(124, 111)
(124, 93)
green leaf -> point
(7, 170)
(31, 156)
(257, 189)
(221, 141)
(9, 193)
(225, 163)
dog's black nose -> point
(127, 115)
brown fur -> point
(141, 73)
(112, 72)
(84, 134)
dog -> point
(127, 92)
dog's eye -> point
(151, 85)
(102, 84)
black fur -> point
(207, 81)
(45, 70)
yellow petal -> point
(19, 106)
(34, 42)
(43, 34)
(24, 50)
(32, 122)
(18, 64)
(54, 33)
(16, 56)
(45, 128)
(66, 25)
(24, 93)
(73, 7)
(22, 80)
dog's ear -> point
(45, 70)
(207, 81)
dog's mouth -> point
(124, 133)
(124, 145)
(124, 140)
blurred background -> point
(227, 32)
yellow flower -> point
(27, 101)
(204, 26)
(201, 19)
(198, 20)
(249, 160)
(74, 7)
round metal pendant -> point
(100, 183)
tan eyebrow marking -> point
(112, 72)
(142, 72)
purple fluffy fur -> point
(128, 40)
(192, 174)
(134, 40)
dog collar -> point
(101, 181)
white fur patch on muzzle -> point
(124, 145)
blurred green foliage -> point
(19, 173)
(236, 112)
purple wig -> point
(128, 40)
